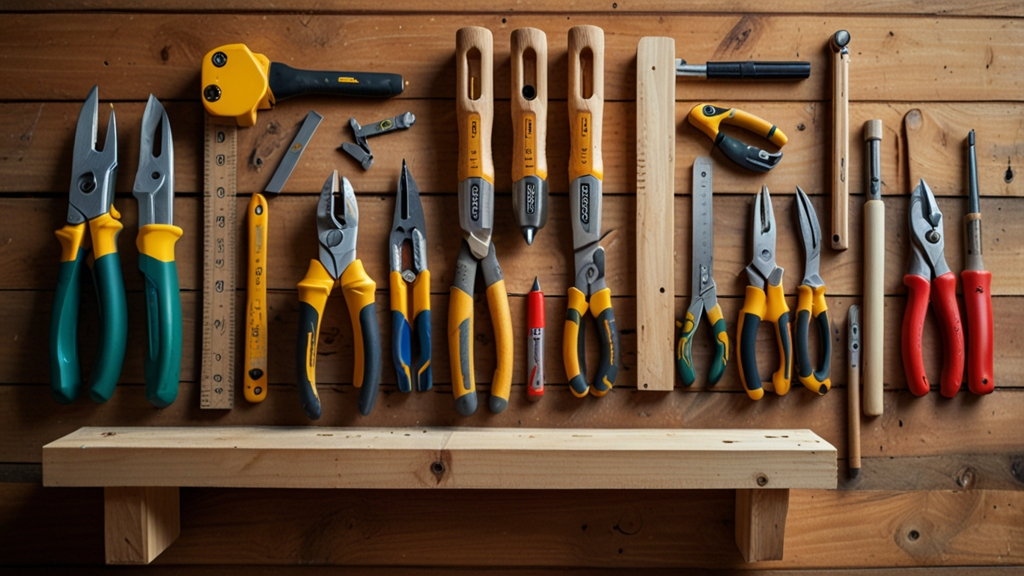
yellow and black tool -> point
(475, 112)
(708, 118)
(237, 82)
(337, 263)
(811, 303)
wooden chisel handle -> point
(874, 274)
(586, 101)
(840, 140)
(529, 103)
(474, 109)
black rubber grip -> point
(608, 364)
(800, 334)
(287, 82)
(748, 352)
(753, 70)
(371, 358)
(305, 353)
(824, 330)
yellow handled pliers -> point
(811, 303)
(765, 300)
(709, 117)
(410, 228)
(338, 263)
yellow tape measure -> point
(220, 187)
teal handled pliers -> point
(91, 205)
(154, 189)
(410, 227)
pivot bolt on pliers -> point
(765, 300)
(703, 293)
(475, 113)
(338, 263)
(91, 197)
(709, 117)
(410, 227)
(586, 171)
(811, 302)
(927, 271)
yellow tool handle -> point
(873, 321)
(529, 103)
(778, 314)
(104, 230)
(607, 342)
(314, 289)
(474, 101)
(586, 101)
(359, 290)
(573, 344)
(811, 306)
(501, 319)
(757, 125)
(256, 337)
(460, 348)
(754, 309)
(401, 337)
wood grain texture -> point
(139, 522)
(655, 213)
(761, 523)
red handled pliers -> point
(928, 272)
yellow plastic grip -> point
(757, 125)
(421, 293)
(501, 319)
(581, 154)
(777, 314)
(460, 342)
(359, 290)
(157, 241)
(70, 238)
(577, 308)
(104, 229)
(399, 294)
(314, 289)
(754, 306)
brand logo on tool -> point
(531, 198)
(474, 202)
(585, 203)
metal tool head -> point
(337, 231)
(93, 173)
(810, 232)
(408, 226)
(853, 324)
(702, 279)
(762, 267)
(590, 269)
(928, 258)
(154, 181)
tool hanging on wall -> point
(840, 139)
(709, 117)
(257, 339)
(412, 356)
(474, 100)
(91, 200)
(529, 130)
(703, 292)
(337, 264)
(765, 300)
(811, 303)
(361, 149)
(977, 288)
(927, 271)
(586, 172)
(874, 272)
(154, 191)
(535, 342)
(853, 389)
(749, 70)
(237, 82)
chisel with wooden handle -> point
(874, 271)
(529, 129)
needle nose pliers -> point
(91, 204)
(927, 271)
(338, 263)
(765, 300)
(154, 190)
(410, 227)
(811, 302)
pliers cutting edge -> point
(765, 300)
(91, 204)
(154, 190)
(811, 302)
(927, 271)
(338, 263)
(703, 294)
(410, 227)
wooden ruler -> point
(220, 260)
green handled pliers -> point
(154, 190)
(703, 295)
(91, 204)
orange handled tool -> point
(977, 289)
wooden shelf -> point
(142, 468)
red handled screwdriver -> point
(535, 343)
(977, 288)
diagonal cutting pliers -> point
(928, 272)
(410, 227)
(765, 300)
(91, 205)
(810, 303)
(337, 233)
(703, 293)
(154, 190)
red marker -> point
(535, 342)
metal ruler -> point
(220, 260)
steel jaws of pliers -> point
(928, 272)
(410, 227)
(337, 233)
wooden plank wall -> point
(943, 479)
